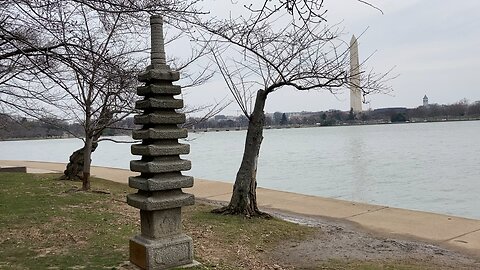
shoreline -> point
(344, 124)
(454, 232)
(202, 130)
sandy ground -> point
(339, 240)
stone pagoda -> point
(161, 243)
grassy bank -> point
(48, 224)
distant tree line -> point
(462, 110)
(16, 127)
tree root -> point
(236, 211)
(63, 177)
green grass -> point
(46, 225)
(257, 233)
(49, 225)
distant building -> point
(425, 101)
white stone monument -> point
(355, 91)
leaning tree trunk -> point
(244, 196)
(74, 169)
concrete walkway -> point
(457, 232)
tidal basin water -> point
(432, 167)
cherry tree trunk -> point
(244, 196)
(87, 160)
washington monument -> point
(355, 92)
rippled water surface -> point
(426, 166)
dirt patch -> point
(334, 244)
(342, 241)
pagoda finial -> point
(157, 41)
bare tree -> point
(79, 60)
(98, 76)
(258, 58)
(90, 69)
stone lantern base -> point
(163, 253)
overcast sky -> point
(434, 46)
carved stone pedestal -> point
(161, 253)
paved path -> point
(454, 231)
